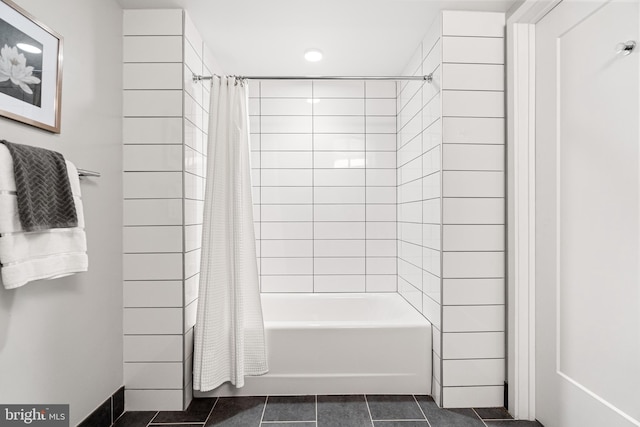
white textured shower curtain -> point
(229, 333)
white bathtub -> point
(341, 344)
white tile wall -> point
(153, 348)
(288, 248)
(381, 107)
(152, 321)
(196, 119)
(288, 283)
(152, 49)
(325, 187)
(153, 212)
(339, 89)
(473, 318)
(462, 103)
(482, 397)
(281, 89)
(412, 294)
(153, 293)
(152, 185)
(157, 375)
(473, 345)
(473, 210)
(485, 76)
(165, 127)
(191, 289)
(473, 237)
(462, 23)
(159, 22)
(461, 265)
(450, 168)
(473, 50)
(473, 130)
(152, 130)
(418, 170)
(464, 157)
(152, 103)
(473, 184)
(340, 107)
(150, 158)
(473, 291)
(340, 283)
(381, 283)
(417, 183)
(151, 400)
(153, 266)
(152, 76)
(283, 142)
(284, 124)
(342, 142)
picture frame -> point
(30, 69)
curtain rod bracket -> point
(197, 78)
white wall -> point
(61, 340)
(323, 159)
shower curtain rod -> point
(428, 78)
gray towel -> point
(44, 194)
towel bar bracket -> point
(85, 172)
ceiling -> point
(357, 37)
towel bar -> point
(85, 172)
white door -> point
(587, 216)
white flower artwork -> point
(13, 66)
(30, 69)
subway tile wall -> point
(419, 170)
(165, 133)
(473, 232)
(451, 203)
(324, 177)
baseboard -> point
(107, 413)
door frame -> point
(520, 205)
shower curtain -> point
(229, 333)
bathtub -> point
(341, 344)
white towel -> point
(46, 254)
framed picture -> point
(30, 69)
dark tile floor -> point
(323, 411)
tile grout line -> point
(366, 401)
(211, 411)
(264, 409)
(177, 423)
(420, 407)
(478, 415)
(153, 418)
